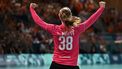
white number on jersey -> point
(65, 43)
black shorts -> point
(59, 66)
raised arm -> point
(38, 20)
(90, 21)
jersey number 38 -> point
(65, 42)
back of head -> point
(66, 17)
(65, 13)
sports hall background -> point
(25, 44)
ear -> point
(59, 15)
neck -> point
(65, 28)
(68, 28)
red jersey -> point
(66, 43)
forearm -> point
(93, 18)
(37, 19)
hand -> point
(34, 5)
(102, 4)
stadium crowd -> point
(19, 33)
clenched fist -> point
(34, 5)
(102, 4)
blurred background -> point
(22, 42)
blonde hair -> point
(76, 20)
(65, 12)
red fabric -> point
(66, 40)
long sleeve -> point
(91, 20)
(40, 22)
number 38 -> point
(65, 43)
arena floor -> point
(81, 67)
